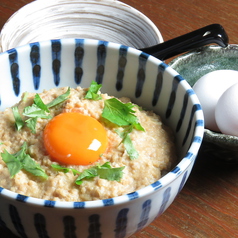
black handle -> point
(214, 33)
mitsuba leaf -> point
(13, 164)
(19, 123)
(22, 160)
(93, 91)
(109, 173)
(59, 99)
(118, 112)
(126, 140)
(64, 169)
(104, 171)
(32, 167)
(86, 174)
(21, 153)
(31, 124)
(38, 101)
(60, 168)
(121, 114)
(37, 110)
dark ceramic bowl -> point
(194, 65)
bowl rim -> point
(164, 181)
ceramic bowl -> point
(150, 83)
(107, 20)
(193, 66)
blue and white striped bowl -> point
(123, 71)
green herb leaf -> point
(59, 99)
(38, 101)
(64, 169)
(105, 165)
(19, 123)
(60, 168)
(21, 153)
(86, 174)
(93, 91)
(109, 173)
(25, 96)
(126, 140)
(13, 164)
(104, 171)
(35, 111)
(120, 113)
(22, 160)
(138, 126)
(31, 124)
(32, 167)
(130, 149)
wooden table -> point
(208, 204)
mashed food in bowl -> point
(132, 157)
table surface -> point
(208, 204)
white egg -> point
(226, 112)
(209, 89)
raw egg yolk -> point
(75, 139)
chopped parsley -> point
(104, 171)
(22, 160)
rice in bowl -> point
(155, 147)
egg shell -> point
(226, 112)
(209, 89)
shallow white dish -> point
(108, 20)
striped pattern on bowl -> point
(122, 71)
